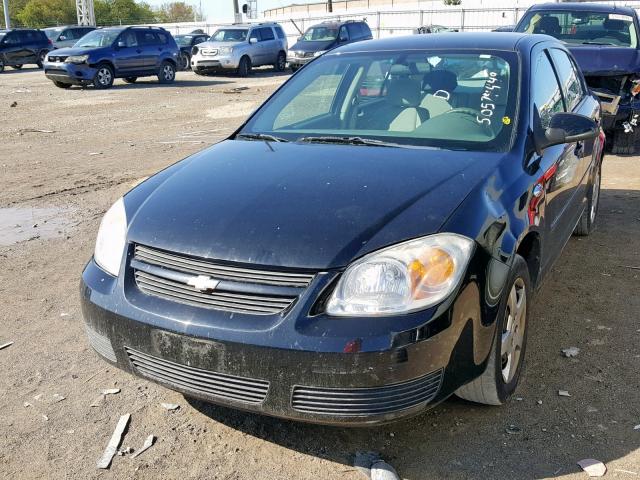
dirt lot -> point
(92, 146)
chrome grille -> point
(209, 52)
(234, 289)
(366, 401)
(183, 377)
(204, 267)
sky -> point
(222, 10)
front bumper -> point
(294, 61)
(336, 371)
(69, 73)
(218, 62)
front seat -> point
(548, 26)
(439, 84)
(403, 98)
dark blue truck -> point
(604, 42)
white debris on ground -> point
(381, 470)
(111, 391)
(58, 398)
(170, 406)
(563, 393)
(114, 442)
(570, 352)
(5, 345)
(594, 468)
(147, 444)
(373, 467)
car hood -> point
(606, 61)
(79, 51)
(219, 44)
(303, 46)
(301, 205)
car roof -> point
(584, 7)
(249, 25)
(477, 40)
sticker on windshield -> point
(617, 16)
(506, 120)
(487, 101)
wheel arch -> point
(530, 248)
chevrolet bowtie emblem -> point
(203, 283)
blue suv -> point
(117, 52)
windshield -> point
(98, 38)
(52, 33)
(448, 99)
(320, 34)
(583, 28)
(229, 35)
(183, 40)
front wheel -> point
(104, 77)
(185, 61)
(166, 73)
(500, 378)
(294, 68)
(587, 222)
(281, 62)
(41, 57)
(244, 69)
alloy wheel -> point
(513, 332)
(104, 76)
(168, 73)
(282, 62)
(595, 197)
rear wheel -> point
(294, 68)
(61, 84)
(41, 56)
(244, 69)
(103, 77)
(500, 378)
(166, 73)
(587, 221)
(17, 67)
(281, 62)
(130, 79)
(185, 61)
(1, 66)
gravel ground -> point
(67, 155)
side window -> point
(255, 33)
(569, 78)
(280, 33)
(146, 38)
(267, 34)
(12, 39)
(129, 38)
(70, 34)
(366, 31)
(344, 36)
(162, 38)
(354, 31)
(546, 91)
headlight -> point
(111, 239)
(225, 50)
(403, 278)
(317, 54)
(77, 59)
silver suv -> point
(240, 47)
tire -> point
(1, 66)
(41, 56)
(185, 61)
(17, 67)
(281, 62)
(199, 71)
(500, 378)
(244, 69)
(166, 72)
(62, 84)
(587, 222)
(623, 143)
(294, 68)
(130, 79)
(103, 78)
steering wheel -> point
(464, 110)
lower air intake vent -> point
(100, 344)
(219, 385)
(366, 401)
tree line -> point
(48, 13)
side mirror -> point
(566, 128)
(121, 44)
(62, 38)
(253, 40)
(343, 38)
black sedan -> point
(186, 43)
(367, 244)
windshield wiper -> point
(349, 141)
(598, 43)
(261, 136)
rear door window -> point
(366, 31)
(355, 33)
(146, 38)
(280, 33)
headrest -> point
(440, 80)
(403, 92)
(616, 25)
(548, 25)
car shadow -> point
(537, 434)
(153, 83)
(8, 70)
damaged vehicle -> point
(604, 41)
(352, 255)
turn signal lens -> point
(403, 278)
